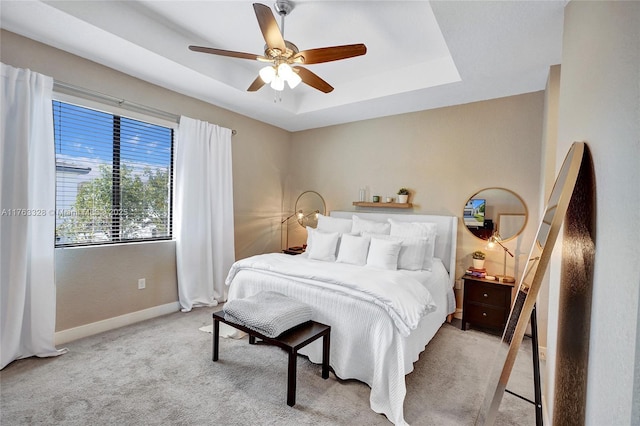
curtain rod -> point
(70, 89)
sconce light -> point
(497, 239)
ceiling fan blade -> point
(221, 52)
(328, 54)
(256, 85)
(313, 80)
(269, 27)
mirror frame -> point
(304, 221)
(526, 295)
(495, 220)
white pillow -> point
(417, 229)
(412, 251)
(323, 245)
(334, 224)
(364, 225)
(412, 229)
(310, 232)
(383, 254)
(353, 249)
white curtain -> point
(27, 220)
(203, 214)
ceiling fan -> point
(284, 55)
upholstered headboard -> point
(445, 240)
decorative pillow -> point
(364, 225)
(310, 232)
(412, 229)
(323, 245)
(417, 229)
(334, 224)
(383, 254)
(353, 249)
(412, 251)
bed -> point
(377, 334)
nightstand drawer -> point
(486, 303)
(484, 315)
(487, 294)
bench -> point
(291, 341)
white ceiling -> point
(420, 54)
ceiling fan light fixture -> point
(277, 83)
(285, 70)
(267, 74)
(293, 80)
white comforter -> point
(376, 335)
(406, 304)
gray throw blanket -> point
(268, 312)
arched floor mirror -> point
(575, 163)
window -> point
(113, 177)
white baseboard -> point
(71, 334)
(542, 350)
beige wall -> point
(98, 283)
(443, 156)
(600, 105)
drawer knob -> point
(484, 314)
(485, 295)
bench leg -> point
(325, 355)
(216, 336)
(291, 378)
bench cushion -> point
(267, 312)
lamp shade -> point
(267, 74)
(293, 80)
(277, 83)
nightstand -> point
(486, 303)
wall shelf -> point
(383, 205)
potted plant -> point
(478, 259)
(403, 195)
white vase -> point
(403, 198)
(478, 263)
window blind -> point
(113, 177)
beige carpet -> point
(160, 372)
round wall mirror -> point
(495, 210)
(308, 205)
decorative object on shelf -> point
(403, 195)
(389, 200)
(362, 194)
(478, 259)
(496, 239)
(376, 198)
